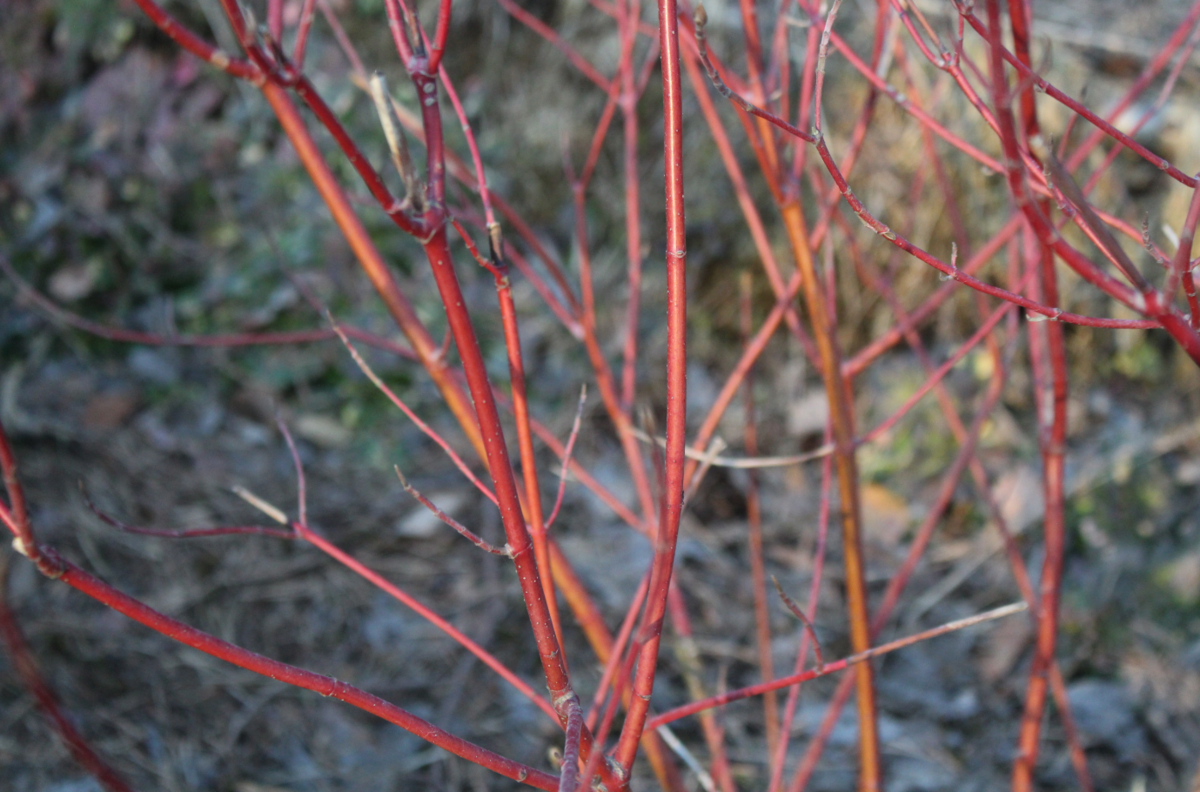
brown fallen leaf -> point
(885, 515)
(109, 409)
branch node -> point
(22, 547)
(1040, 317)
(952, 275)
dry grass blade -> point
(397, 143)
(271, 510)
(739, 463)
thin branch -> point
(301, 485)
(835, 666)
(804, 620)
(469, 535)
(740, 463)
(566, 458)
(23, 662)
(299, 677)
(193, 533)
(412, 416)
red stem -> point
(185, 38)
(439, 36)
(1103, 126)
(542, 29)
(779, 758)
(17, 512)
(829, 668)
(303, 27)
(26, 666)
(327, 686)
(511, 514)
(758, 576)
(533, 495)
(633, 219)
(1181, 264)
(1052, 427)
(392, 206)
(676, 424)
(603, 373)
(123, 335)
(275, 19)
(498, 463)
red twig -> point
(412, 416)
(668, 527)
(327, 686)
(17, 513)
(833, 667)
(779, 756)
(1103, 127)
(303, 26)
(1052, 423)
(569, 778)
(566, 462)
(1181, 264)
(545, 31)
(26, 666)
(237, 67)
(441, 32)
(465, 532)
(192, 533)
(804, 620)
(762, 617)
(122, 335)
(301, 479)
(275, 19)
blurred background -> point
(141, 189)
